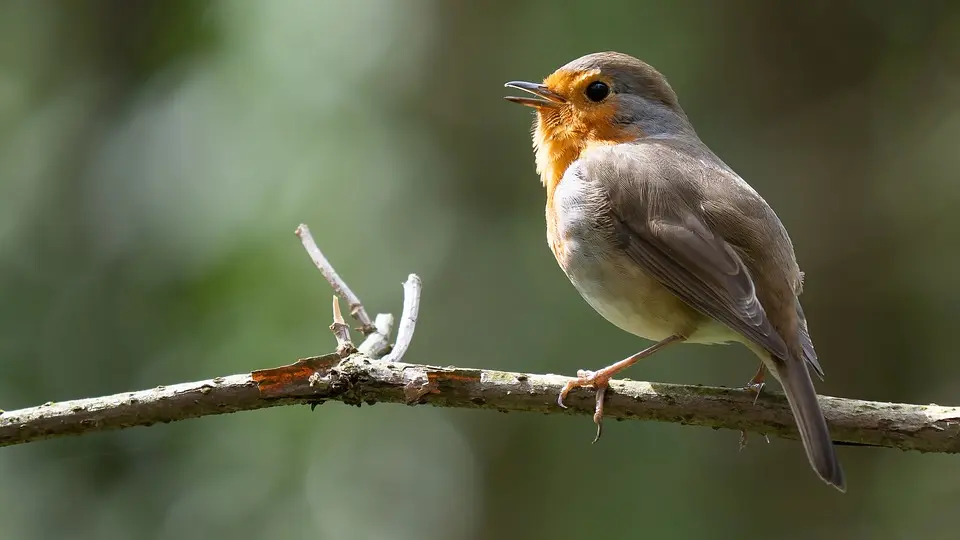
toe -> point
(566, 390)
(598, 411)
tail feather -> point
(817, 442)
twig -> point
(377, 344)
(408, 318)
(341, 331)
(356, 380)
(339, 286)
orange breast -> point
(554, 156)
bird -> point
(662, 238)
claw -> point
(600, 379)
(566, 390)
(598, 412)
(756, 384)
(756, 387)
(596, 380)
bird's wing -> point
(652, 217)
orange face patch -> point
(562, 133)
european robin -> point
(662, 238)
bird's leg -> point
(600, 379)
(755, 384)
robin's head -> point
(599, 98)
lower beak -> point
(544, 96)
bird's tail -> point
(802, 397)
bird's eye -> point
(597, 91)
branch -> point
(360, 377)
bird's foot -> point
(756, 388)
(600, 380)
(755, 385)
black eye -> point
(597, 90)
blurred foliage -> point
(155, 158)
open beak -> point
(544, 96)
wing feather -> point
(663, 232)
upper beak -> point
(545, 96)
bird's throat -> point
(554, 156)
(558, 146)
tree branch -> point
(360, 379)
(355, 378)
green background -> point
(155, 158)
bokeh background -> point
(155, 157)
